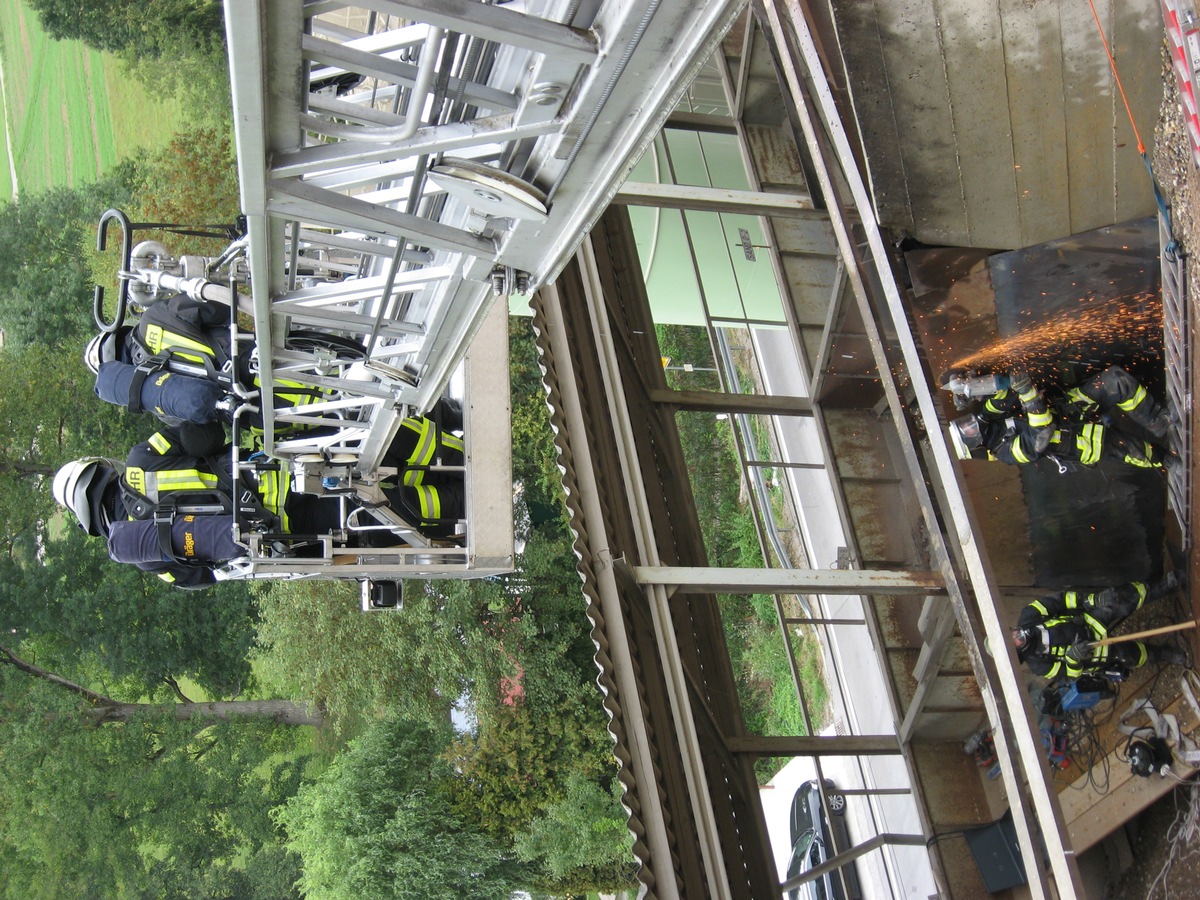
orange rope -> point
(1113, 65)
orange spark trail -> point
(1133, 320)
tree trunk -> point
(284, 712)
(105, 709)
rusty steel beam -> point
(716, 401)
(821, 745)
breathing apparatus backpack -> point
(227, 497)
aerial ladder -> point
(405, 166)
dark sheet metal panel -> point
(1062, 309)
(1065, 309)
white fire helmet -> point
(102, 348)
(80, 486)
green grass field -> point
(72, 112)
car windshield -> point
(807, 853)
(800, 853)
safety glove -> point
(1022, 384)
(1079, 653)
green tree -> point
(523, 754)
(193, 180)
(74, 600)
(535, 458)
(175, 47)
(100, 805)
(130, 26)
(50, 415)
(582, 842)
(379, 824)
(46, 279)
(315, 643)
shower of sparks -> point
(1081, 332)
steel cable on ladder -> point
(1172, 247)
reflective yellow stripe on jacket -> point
(153, 485)
(1133, 402)
(1090, 443)
(273, 489)
(990, 405)
(1017, 452)
(426, 449)
(1143, 458)
(158, 339)
(1079, 398)
(431, 502)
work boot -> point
(1169, 656)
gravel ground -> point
(1166, 833)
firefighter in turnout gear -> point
(1094, 400)
(433, 496)
(184, 506)
(1019, 435)
(184, 502)
(1115, 389)
(177, 362)
(1054, 635)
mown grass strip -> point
(74, 112)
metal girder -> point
(493, 23)
(431, 140)
(819, 745)
(296, 199)
(391, 70)
(789, 581)
(711, 199)
(716, 401)
(836, 862)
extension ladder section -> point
(404, 164)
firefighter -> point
(431, 495)
(1097, 397)
(1001, 432)
(1054, 635)
(191, 341)
(195, 332)
(184, 508)
(1115, 388)
(181, 492)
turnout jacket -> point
(1019, 439)
(165, 479)
(1054, 623)
(191, 337)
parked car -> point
(815, 839)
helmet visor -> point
(966, 435)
